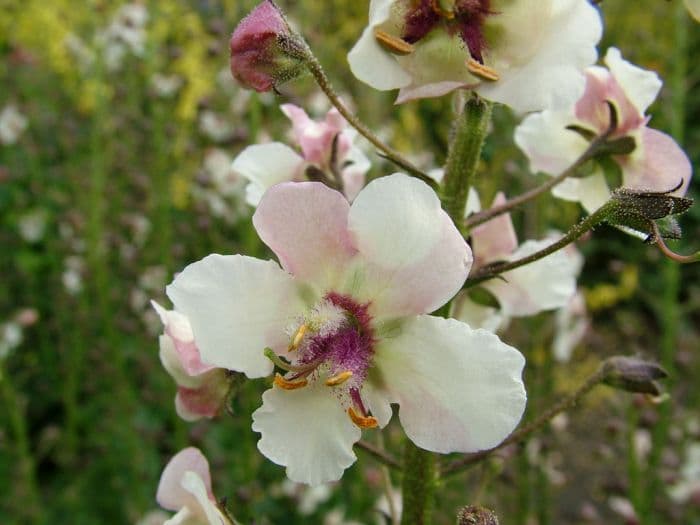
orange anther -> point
(441, 11)
(392, 43)
(362, 421)
(289, 385)
(480, 70)
(298, 336)
(339, 379)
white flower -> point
(528, 54)
(656, 164)
(12, 124)
(327, 152)
(345, 316)
(201, 389)
(545, 284)
(689, 484)
(32, 225)
(214, 126)
(571, 323)
(185, 487)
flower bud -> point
(264, 51)
(474, 515)
(633, 375)
(637, 209)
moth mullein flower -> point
(527, 54)
(326, 152)
(263, 53)
(546, 284)
(185, 487)
(344, 321)
(201, 389)
(553, 140)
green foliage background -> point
(87, 420)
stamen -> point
(278, 362)
(298, 336)
(362, 421)
(289, 385)
(480, 70)
(392, 43)
(441, 11)
(339, 379)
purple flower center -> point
(334, 343)
(347, 345)
(465, 17)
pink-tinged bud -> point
(264, 51)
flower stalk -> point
(493, 270)
(463, 158)
(418, 488)
(316, 70)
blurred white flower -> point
(214, 126)
(12, 124)
(689, 484)
(72, 277)
(11, 336)
(166, 86)
(126, 33)
(570, 325)
(32, 225)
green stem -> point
(670, 314)
(418, 488)
(315, 68)
(24, 454)
(490, 271)
(471, 128)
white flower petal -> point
(369, 62)
(237, 307)
(307, 431)
(306, 225)
(545, 284)
(415, 258)
(640, 86)
(550, 147)
(265, 165)
(459, 390)
(477, 315)
(194, 484)
(545, 46)
(171, 495)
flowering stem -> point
(591, 151)
(418, 487)
(493, 270)
(565, 404)
(378, 454)
(488, 214)
(315, 68)
(465, 152)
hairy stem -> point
(490, 271)
(380, 455)
(591, 151)
(315, 68)
(418, 488)
(470, 132)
